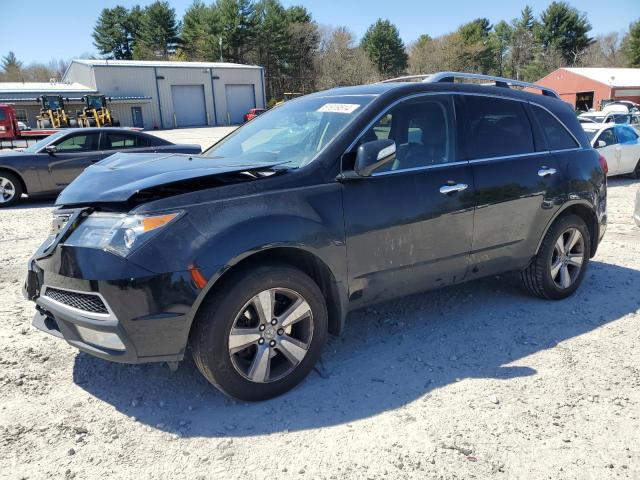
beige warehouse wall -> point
(236, 76)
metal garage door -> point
(240, 98)
(188, 105)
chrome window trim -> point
(418, 169)
(96, 316)
(460, 162)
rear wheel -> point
(560, 265)
(261, 333)
(10, 189)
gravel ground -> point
(476, 381)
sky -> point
(42, 30)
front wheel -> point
(10, 189)
(560, 265)
(261, 333)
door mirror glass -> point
(51, 149)
(601, 143)
(373, 155)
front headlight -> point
(118, 233)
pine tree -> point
(383, 45)
(11, 68)
(631, 45)
(113, 33)
(159, 31)
(197, 37)
(237, 28)
(564, 29)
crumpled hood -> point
(122, 175)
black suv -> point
(250, 254)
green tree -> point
(475, 51)
(304, 40)
(631, 45)
(113, 34)
(272, 43)
(11, 68)
(523, 44)
(383, 45)
(501, 41)
(159, 31)
(565, 29)
(198, 39)
(237, 28)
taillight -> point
(603, 164)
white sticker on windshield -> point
(339, 107)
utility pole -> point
(220, 43)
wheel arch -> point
(583, 210)
(297, 257)
(12, 171)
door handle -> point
(546, 172)
(459, 187)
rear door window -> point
(495, 127)
(558, 138)
(120, 141)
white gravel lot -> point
(475, 381)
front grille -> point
(86, 302)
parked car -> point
(632, 118)
(619, 144)
(251, 254)
(48, 166)
(253, 113)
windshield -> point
(293, 133)
(43, 143)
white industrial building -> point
(151, 94)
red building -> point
(586, 88)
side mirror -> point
(51, 149)
(373, 155)
(601, 143)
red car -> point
(253, 113)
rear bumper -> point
(146, 317)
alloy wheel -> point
(271, 335)
(7, 190)
(567, 258)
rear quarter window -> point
(557, 136)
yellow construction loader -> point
(96, 113)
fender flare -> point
(566, 206)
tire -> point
(91, 122)
(290, 350)
(73, 123)
(115, 123)
(636, 172)
(10, 189)
(541, 279)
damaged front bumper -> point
(109, 307)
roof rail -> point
(405, 78)
(442, 77)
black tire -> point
(636, 173)
(91, 122)
(115, 123)
(16, 185)
(209, 338)
(537, 277)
